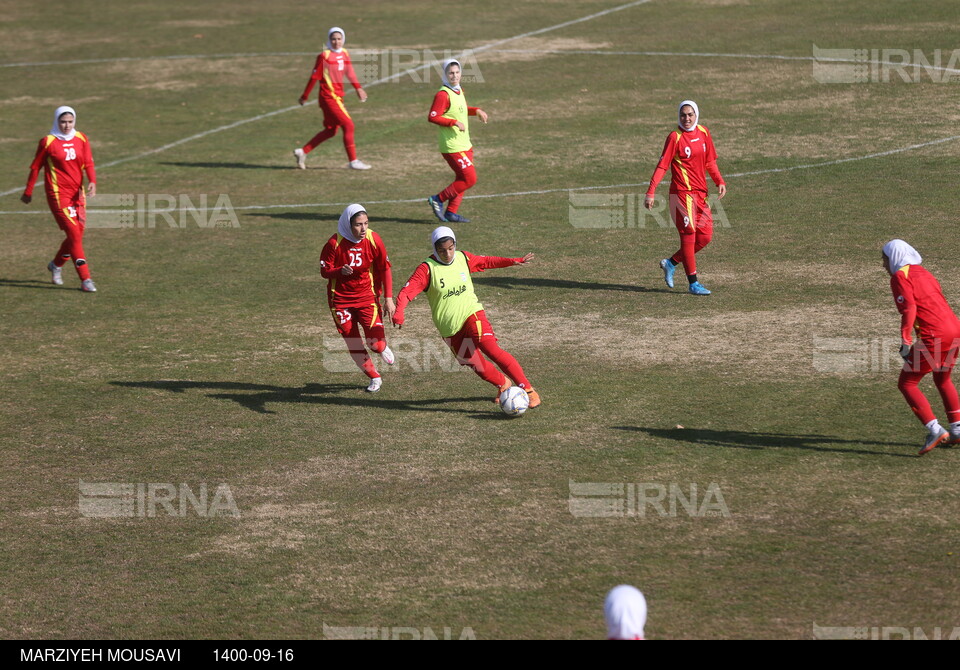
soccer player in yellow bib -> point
(457, 313)
(450, 112)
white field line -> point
(485, 47)
(809, 166)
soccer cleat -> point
(88, 286)
(436, 204)
(503, 387)
(375, 385)
(933, 440)
(387, 356)
(534, 399)
(453, 217)
(357, 164)
(954, 437)
(696, 288)
(301, 158)
(56, 274)
(668, 270)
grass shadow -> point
(229, 165)
(530, 283)
(32, 283)
(738, 439)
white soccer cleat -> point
(387, 356)
(56, 274)
(375, 385)
(88, 286)
(301, 158)
(933, 440)
(358, 164)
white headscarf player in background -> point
(343, 225)
(336, 29)
(899, 253)
(625, 610)
(443, 73)
(55, 131)
(696, 115)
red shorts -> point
(334, 113)
(691, 213)
(933, 355)
(467, 339)
(368, 316)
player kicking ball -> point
(458, 314)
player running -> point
(923, 308)
(690, 154)
(450, 112)
(356, 265)
(457, 313)
(333, 66)
(65, 155)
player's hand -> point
(346, 270)
(397, 319)
(91, 190)
(391, 307)
(362, 95)
(26, 199)
(526, 259)
(905, 350)
(459, 125)
(648, 202)
(302, 101)
(722, 190)
(482, 115)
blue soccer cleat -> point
(668, 269)
(437, 206)
(696, 288)
(453, 217)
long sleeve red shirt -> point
(371, 276)
(420, 279)
(921, 304)
(63, 162)
(441, 103)
(690, 155)
(331, 70)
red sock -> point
(908, 385)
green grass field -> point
(206, 356)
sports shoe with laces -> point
(56, 274)
(453, 217)
(668, 270)
(387, 356)
(301, 158)
(357, 164)
(933, 439)
(88, 286)
(534, 399)
(954, 436)
(696, 288)
(437, 206)
(375, 385)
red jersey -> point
(331, 70)
(922, 306)
(420, 279)
(371, 276)
(64, 162)
(690, 155)
(441, 103)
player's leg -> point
(345, 319)
(942, 379)
(914, 369)
(371, 319)
(466, 179)
(468, 353)
(486, 341)
(71, 220)
(704, 224)
(331, 121)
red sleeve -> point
(328, 259)
(472, 111)
(712, 162)
(315, 76)
(88, 162)
(417, 283)
(351, 75)
(441, 103)
(669, 147)
(906, 304)
(481, 263)
(385, 275)
(35, 166)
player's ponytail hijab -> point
(696, 118)
(55, 131)
(899, 253)
(343, 225)
(336, 29)
(625, 610)
(446, 82)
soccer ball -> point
(514, 401)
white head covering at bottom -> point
(336, 29)
(343, 225)
(900, 253)
(55, 131)
(696, 118)
(626, 612)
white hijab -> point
(55, 131)
(336, 29)
(900, 253)
(696, 112)
(443, 74)
(438, 234)
(626, 612)
(343, 225)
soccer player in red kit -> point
(65, 155)
(450, 112)
(356, 265)
(923, 309)
(689, 153)
(457, 313)
(332, 68)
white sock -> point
(955, 427)
(933, 426)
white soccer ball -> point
(514, 401)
